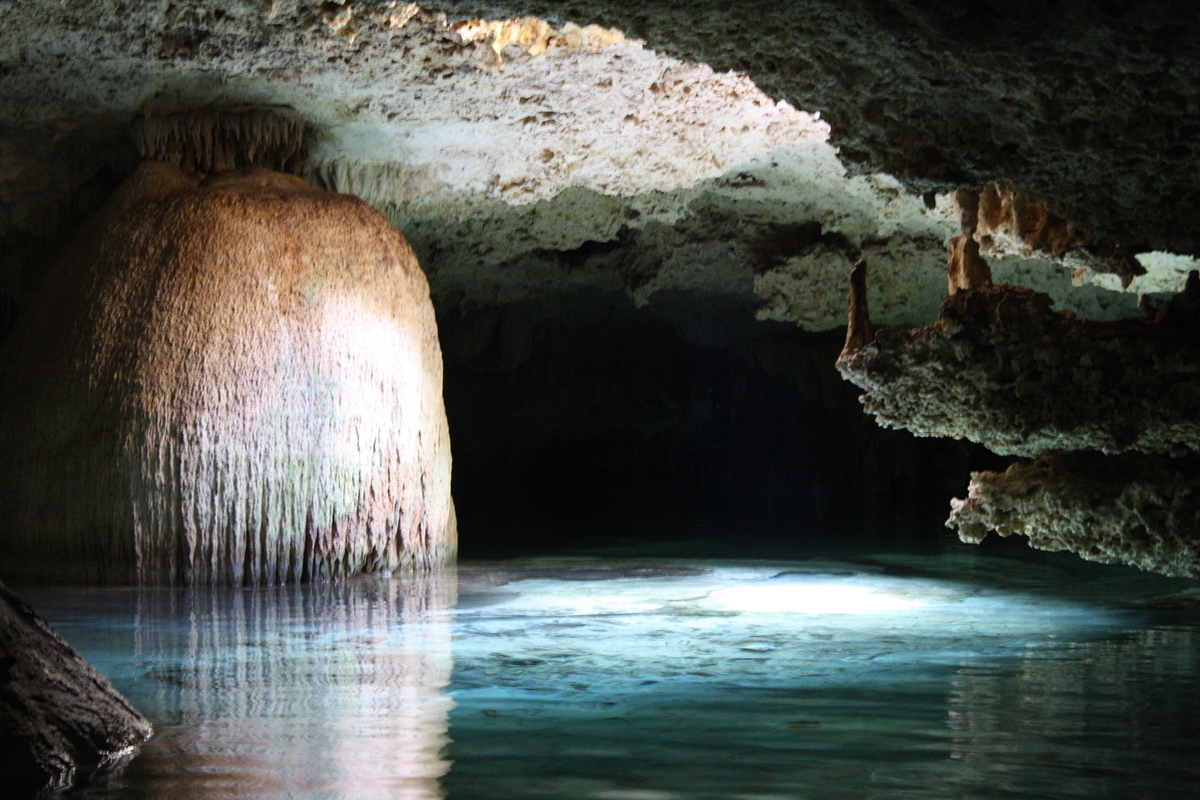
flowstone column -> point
(227, 379)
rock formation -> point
(228, 379)
(668, 155)
(1002, 368)
(1003, 221)
(1129, 509)
(222, 139)
(58, 715)
(1087, 399)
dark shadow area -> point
(590, 421)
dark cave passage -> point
(593, 418)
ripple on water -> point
(872, 677)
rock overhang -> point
(524, 155)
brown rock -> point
(1006, 222)
(858, 332)
(966, 268)
(236, 381)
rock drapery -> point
(230, 379)
(58, 715)
(223, 139)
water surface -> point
(865, 676)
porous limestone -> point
(1131, 509)
(1002, 368)
(230, 379)
(508, 145)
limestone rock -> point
(1130, 509)
(58, 715)
(1003, 221)
(1001, 368)
(222, 139)
(227, 380)
(509, 149)
(966, 267)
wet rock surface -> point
(59, 717)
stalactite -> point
(1002, 368)
(214, 140)
(1004, 221)
(228, 381)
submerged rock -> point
(229, 380)
(58, 715)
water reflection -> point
(1107, 718)
(680, 680)
(316, 691)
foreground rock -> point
(1131, 509)
(233, 379)
(58, 715)
(1002, 368)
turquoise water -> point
(864, 676)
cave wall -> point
(742, 154)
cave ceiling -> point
(750, 151)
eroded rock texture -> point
(1002, 368)
(524, 147)
(232, 379)
(1003, 221)
(58, 715)
(1129, 509)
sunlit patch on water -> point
(875, 677)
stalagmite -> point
(234, 379)
(1131, 509)
(858, 331)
